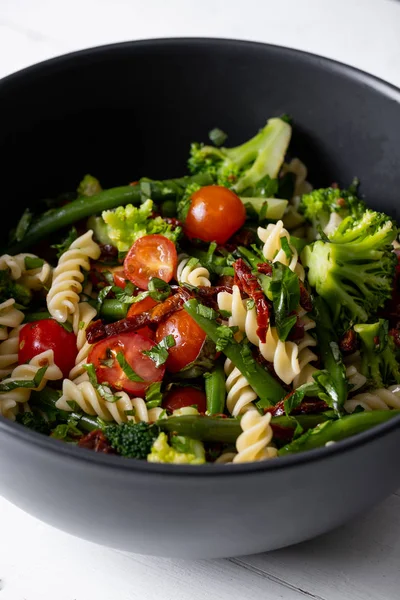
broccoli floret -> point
(378, 354)
(132, 440)
(89, 186)
(183, 450)
(325, 208)
(11, 289)
(244, 166)
(353, 271)
(34, 421)
(124, 225)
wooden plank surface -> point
(357, 562)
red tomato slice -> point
(215, 214)
(189, 339)
(150, 256)
(137, 309)
(48, 334)
(131, 345)
(179, 397)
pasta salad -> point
(231, 315)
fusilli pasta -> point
(63, 296)
(9, 352)
(80, 321)
(192, 274)
(253, 443)
(90, 402)
(299, 169)
(283, 355)
(305, 358)
(27, 372)
(34, 279)
(10, 317)
(240, 395)
(273, 251)
(378, 399)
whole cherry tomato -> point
(178, 397)
(48, 334)
(215, 214)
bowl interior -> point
(129, 110)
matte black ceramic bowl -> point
(132, 109)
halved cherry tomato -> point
(150, 256)
(178, 397)
(48, 334)
(189, 339)
(137, 309)
(108, 370)
(97, 270)
(215, 214)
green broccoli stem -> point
(82, 208)
(227, 430)
(45, 401)
(329, 349)
(338, 430)
(215, 390)
(267, 388)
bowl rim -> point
(73, 453)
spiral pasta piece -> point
(192, 274)
(34, 279)
(378, 399)
(240, 394)
(283, 355)
(82, 318)
(90, 402)
(225, 458)
(10, 317)
(254, 443)
(305, 357)
(273, 251)
(63, 296)
(9, 352)
(299, 170)
(26, 372)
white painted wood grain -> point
(359, 561)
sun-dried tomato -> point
(97, 441)
(348, 341)
(249, 284)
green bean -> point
(338, 430)
(329, 349)
(45, 401)
(215, 390)
(227, 430)
(83, 207)
(267, 388)
(114, 310)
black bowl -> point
(132, 109)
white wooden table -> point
(358, 562)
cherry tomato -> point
(137, 309)
(150, 256)
(119, 277)
(189, 339)
(48, 334)
(178, 397)
(108, 370)
(215, 214)
(97, 270)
